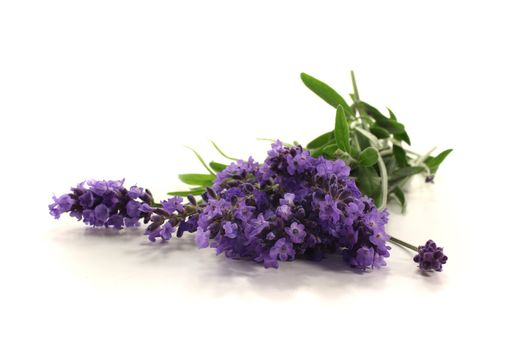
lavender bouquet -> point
(327, 198)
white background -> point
(109, 89)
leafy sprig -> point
(373, 145)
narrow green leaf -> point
(369, 183)
(402, 136)
(221, 152)
(392, 115)
(379, 132)
(373, 139)
(193, 191)
(201, 160)
(321, 140)
(400, 196)
(202, 180)
(402, 173)
(328, 151)
(434, 162)
(390, 124)
(401, 156)
(325, 92)
(368, 157)
(342, 136)
(354, 153)
(217, 166)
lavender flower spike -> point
(104, 203)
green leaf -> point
(401, 156)
(354, 153)
(202, 180)
(221, 152)
(325, 92)
(194, 191)
(402, 173)
(342, 136)
(402, 136)
(379, 132)
(368, 157)
(217, 166)
(434, 162)
(389, 124)
(321, 140)
(371, 137)
(369, 183)
(400, 196)
(392, 115)
(201, 160)
(328, 151)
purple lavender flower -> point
(329, 210)
(230, 230)
(430, 257)
(61, 205)
(282, 249)
(104, 203)
(296, 232)
(202, 238)
(173, 204)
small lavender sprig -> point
(429, 257)
(104, 203)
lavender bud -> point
(192, 199)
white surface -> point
(108, 89)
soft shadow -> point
(179, 262)
(219, 275)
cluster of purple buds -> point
(293, 205)
(430, 257)
(105, 203)
(110, 204)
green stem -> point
(354, 85)
(384, 181)
(221, 152)
(403, 243)
(418, 162)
